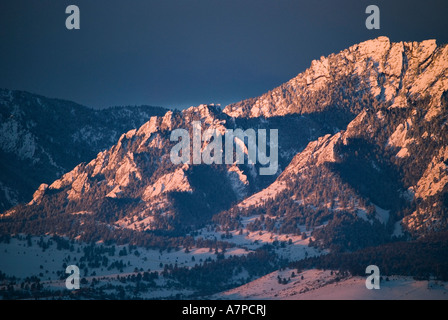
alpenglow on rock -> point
(362, 146)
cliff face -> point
(390, 72)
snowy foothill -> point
(20, 260)
(289, 284)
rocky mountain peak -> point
(389, 71)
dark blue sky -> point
(177, 53)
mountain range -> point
(363, 159)
(43, 138)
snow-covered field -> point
(20, 260)
(40, 260)
(294, 247)
(327, 285)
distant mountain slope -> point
(42, 138)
